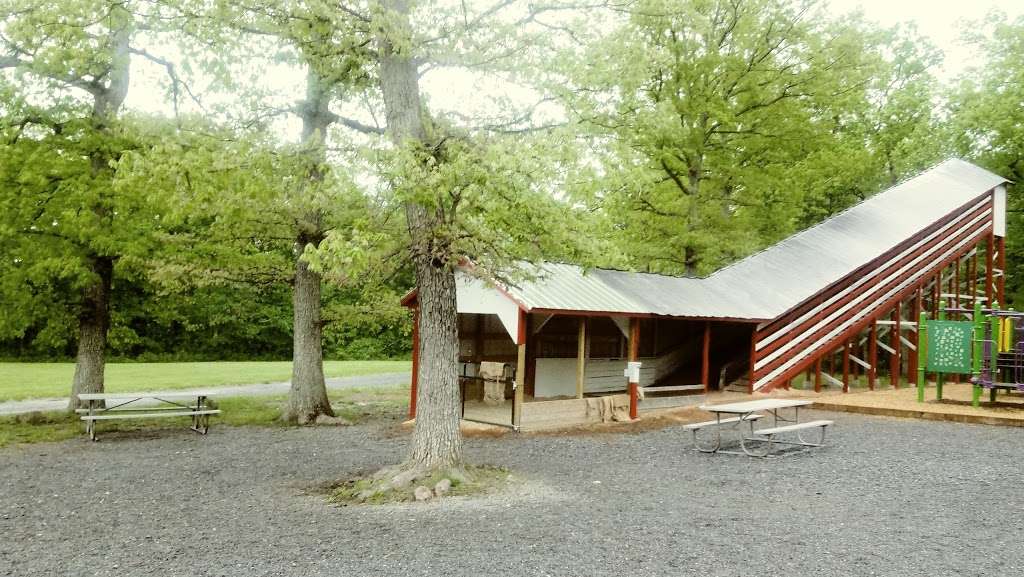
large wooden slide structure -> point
(836, 302)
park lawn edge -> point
(354, 406)
(23, 381)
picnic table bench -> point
(109, 406)
(748, 412)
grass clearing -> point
(355, 405)
(20, 381)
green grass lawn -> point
(356, 405)
(40, 380)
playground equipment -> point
(989, 347)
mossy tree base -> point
(400, 484)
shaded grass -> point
(355, 405)
(42, 380)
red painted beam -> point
(894, 359)
(990, 249)
(878, 289)
(413, 388)
(878, 274)
(860, 325)
(786, 318)
(1001, 283)
(912, 355)
(846, 367)
(873, 354)
(634, 355)
(817, 375)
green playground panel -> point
(949, 346)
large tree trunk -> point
(93, 323)
(94, 316)
(437, 440)
(307, 398)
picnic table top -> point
(743, 407)
(149, 395)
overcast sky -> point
(938, 20)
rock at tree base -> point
(442, 487)
(422, 493)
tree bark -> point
(437, 440)
(93, 324)
(307, 398)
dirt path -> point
(378, 380)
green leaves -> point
(724, 126)
(988, 121)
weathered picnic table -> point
(748, 412)
(108, 406)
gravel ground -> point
(888, 497)
(334, 383)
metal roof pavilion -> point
(768, 283)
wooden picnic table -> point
(108, 406)
(748, 412)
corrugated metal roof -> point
(768, 283)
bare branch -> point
(356, 125)
(172, 73)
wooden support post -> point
(753, 355)
(1001, 283)
(413, 387)
(519, 396)
(817, 375)
(581, 357)
(894, 359)
(478, 339)
(956, 283)
(531, 356)
(634, 356)
(990, 248)
(936, 295)
(913, 354)
(846, 367)
(873, 354)
(922, 362)
(705, 358)
(972, 277)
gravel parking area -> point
(888, 497)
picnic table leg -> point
(769, 440)
(718, 432)
(90, 426)
(199, 422)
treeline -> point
(222, 323)
(214, 179)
